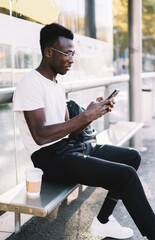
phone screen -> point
(114, 93)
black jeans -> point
(110, 167)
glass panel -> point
(104, 20)
(12, 164)
(19, 52)
(25, 60)
(47, 11)
(94, 59)
(5, 56)
(21, 158)
(7, 164)
(5, 6)
(26, 57)
(5, 66)
(148, 30)
(26, 52)
(72, 15)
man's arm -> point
(67, 114)
(108, 108)
(42, 134)
(67, 117)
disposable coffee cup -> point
(33, 182)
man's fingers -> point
(99, 99)
(105, 111)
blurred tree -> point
(148, 26)
(120, 30)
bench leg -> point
(17, 222)
(79, 190)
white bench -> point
(52, 194)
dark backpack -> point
(89, 133)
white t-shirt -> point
(33, 92)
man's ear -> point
(48, 52)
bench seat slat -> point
(52, 194)
(119, 133)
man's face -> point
(61, 63)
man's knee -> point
(136, 157)
(128, 174)
(129, 180)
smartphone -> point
(114, 93)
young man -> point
(47, 131)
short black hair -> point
(50, 33)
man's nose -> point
(71, 60)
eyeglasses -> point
(68, 55)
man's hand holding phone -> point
(110, 99)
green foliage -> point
(120, 15)
(148, 25)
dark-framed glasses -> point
(68, 55)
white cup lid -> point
(33, 174)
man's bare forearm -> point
(43, 134)
(79, 130)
